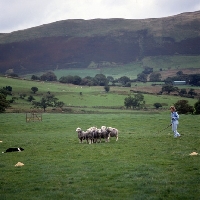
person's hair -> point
(173, 108)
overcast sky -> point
(22, 14)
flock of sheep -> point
(94, 135)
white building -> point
(179, 83)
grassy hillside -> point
(177, 62)
(75, 44)
(168, 64)
(161, 27)
(93, 99)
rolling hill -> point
(78, 43)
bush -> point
(157, 105)
(183, 107)
(197, 107)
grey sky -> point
(22, 14)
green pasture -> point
(82, 98)
(143, 164)
(172, 62)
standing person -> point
(174, 121)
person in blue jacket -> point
(174, 121)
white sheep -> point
(81, 135)
(105, 134)
(113, 132)
(90, 134)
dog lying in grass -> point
(13, 149)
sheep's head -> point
(78, 129)
(103, 128)
(91, 129)
(109, 128)
(99, 130)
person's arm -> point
(175, 116)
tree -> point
(128, 101)
(124, 80)
(34, 89)
(66, 79)
(142, 77)
(134, 102)
(47, 101)
(192, 92)
(194, 79)
(169, 88)
(49, 76)
(34, 77)
(183, 107)
(89, 81)
(31, 98)
(147, 70)
(179, 73)
(5, 92)
(182, 92)
(101, 79)
(8, 88)
(3, 103)
(77, 80)
(107, 88)
(139, 97)
(197, 107)
(128, 84)
(110, 78)
(155, 77)
(157, 105)
(59, 104)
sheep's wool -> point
(194, 153)
(19, 164)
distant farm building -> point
(179, 82)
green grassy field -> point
(172, 62)
(94, 99)
(142, 164)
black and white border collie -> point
(13, 149)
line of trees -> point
(48, 76)
(102, 80)
(182, 92)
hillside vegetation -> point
(99, 43)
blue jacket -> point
(174, 117)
